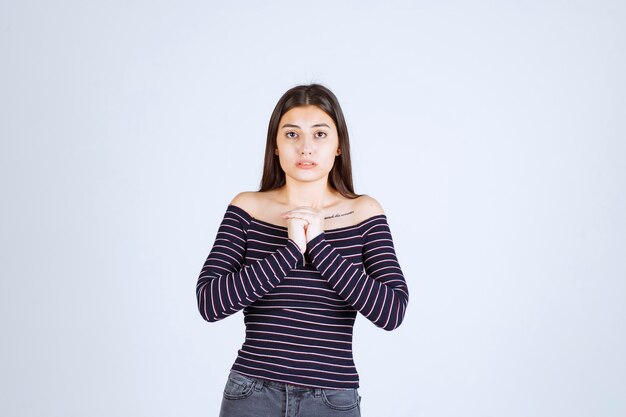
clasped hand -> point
(304, 224)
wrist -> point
(313, 234)
(314, 241)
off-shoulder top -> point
(299, 309)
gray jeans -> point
(245, 396)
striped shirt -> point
(299, 309)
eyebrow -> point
(298, 127)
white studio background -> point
(493, 134)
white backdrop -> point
(493, 134)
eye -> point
(320, 134)
(291, 134)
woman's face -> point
(307, 143)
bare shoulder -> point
(246, 200)
(367, 207)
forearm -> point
(225, 287)
(381, 296)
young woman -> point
(301, 257)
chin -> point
(307, 178)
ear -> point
(276, 151)
(338, 151)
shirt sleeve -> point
(225, 286)
(377, 289)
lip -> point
(305, 164)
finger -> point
(302, 209)
(300, 219)
(305, 213)
(304, 216)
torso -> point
(341, 212)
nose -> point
(307, 146)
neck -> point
(316, 194)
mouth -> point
(305, 164)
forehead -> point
(306, 116)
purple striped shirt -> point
(299, 309)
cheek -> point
(330, 153)
(286, 159)
(281, 159)
(286, 148)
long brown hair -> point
(340, 176)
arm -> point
(224, 285)
(377, 290)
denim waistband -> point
(261, 382)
